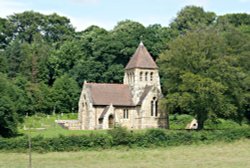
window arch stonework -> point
(154, 107)
(141, 76)
(146, 76)
(151, 76)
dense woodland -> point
(203, 60)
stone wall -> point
(138, 83)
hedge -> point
(122, 137)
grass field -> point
(218, 155)
(51, 129)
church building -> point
(133, 104)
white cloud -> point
(83, 22)
(10, 7)
(149, 20)
(202, 3)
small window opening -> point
(141, 74)
(125, 114)
(146, 76)
(151, 76)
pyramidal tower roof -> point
(141, 59)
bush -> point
(222, 124)
(156, 136)
(122, 137)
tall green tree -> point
(29, 23)
(35, 97)
(8, 108)
(3, 62)
(89, 70)
(65, 94)
(4, 33)
(127, 35)
(15, 56)
(191, 17)
(236, 19)
(156, 38)
(35, 63)
(198, 76)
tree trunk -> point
(200, 124)
(200, 120)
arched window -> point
(141, 74)
(154, 107)
(128, 77)
(100, 120)
(146, 76)
(151, 76)
(133, 77)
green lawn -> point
(51, 129)
(218, 155)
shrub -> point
(122, 137)
(156, 136)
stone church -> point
(133, 104)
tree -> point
(3, 63)
(66, 57)
(236, 19)
(8, 115)
(91, 71)
(203, 97)
(126, 36)
(29, 23)
(57, 28)
(191, 81)
(15, 56)
(34, 97)
(191, 17)
(156, 38)
(4, 41)
(34, 65)
(114, 74)
(65, 94)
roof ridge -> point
(109, 93)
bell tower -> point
(141, 72)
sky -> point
(107, 13)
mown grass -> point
(181, 121)
(218, 155)
(49, 127)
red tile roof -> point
(106, 94)
(141, 59)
